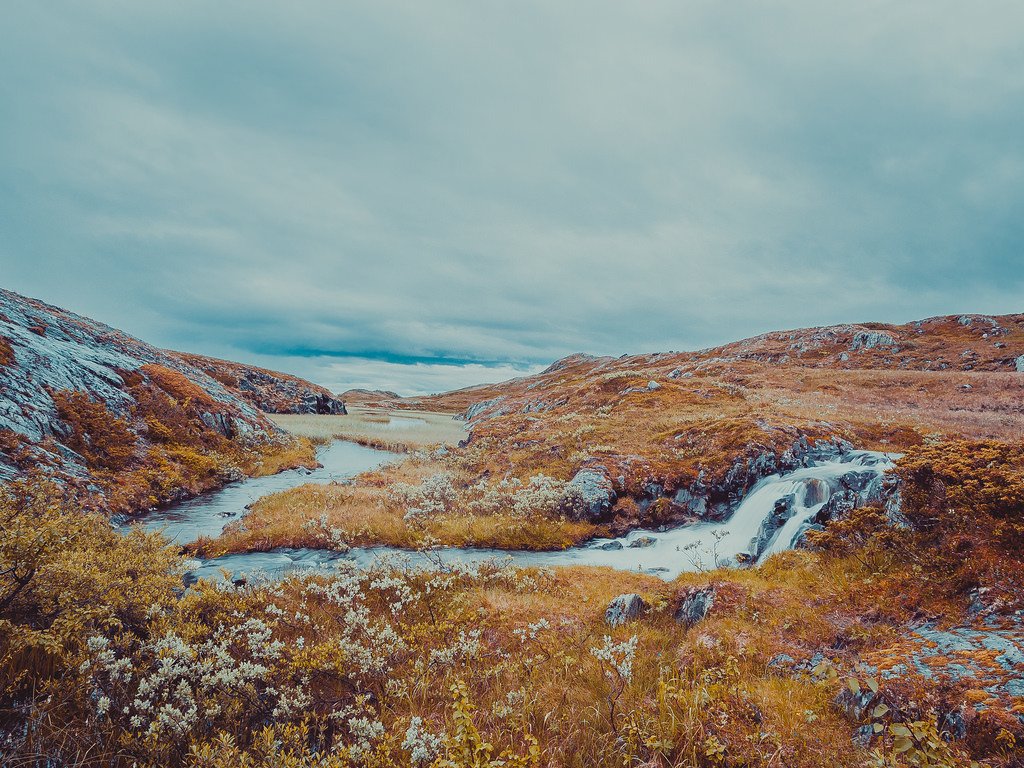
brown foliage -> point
(104, 440)
(6, 352)
(178, 386)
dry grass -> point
(390, 430)
(367, 513)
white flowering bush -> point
(436, 495)
(327, 535)
(540, 496)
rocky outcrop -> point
(477, 409)
(269, 391)
(128, 387)
(871, 340)
(717, 500)
(625, 608)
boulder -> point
(625, 608)
(1019, 364)
(643, 542)
(695, 605)
(595, 493)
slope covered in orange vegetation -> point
(123, 423)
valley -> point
(798, 549)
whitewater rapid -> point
(771, 518)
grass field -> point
(391, 430)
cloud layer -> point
(399, 189)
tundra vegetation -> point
(162, 450)
(808, 659)
(107, 661)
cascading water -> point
(771, 518)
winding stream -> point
(771, 518)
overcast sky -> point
(424, 195)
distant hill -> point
(374, 398)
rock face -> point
(871, 340)
(625, 608)
(716, 501)
(477, 409)
(56, 355)
(269, 391)
(595, 492)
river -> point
(667, 553)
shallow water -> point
(207, 514)
(673, 551)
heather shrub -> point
(6, 352)
(104, 440)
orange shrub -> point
(6, 352)
(177, 385)
(103, 439)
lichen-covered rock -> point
(625, 608)
(696, 605)
(594, 491)
(871, 340)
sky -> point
(420, 196)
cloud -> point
(434, 184)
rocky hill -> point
(269, 391)
(127, 424)
(669, 433)
(377, 398)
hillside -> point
(130, 425)
(268, 391)
(891, 634)
(887, 632)
(664, 439)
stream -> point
(771, 518)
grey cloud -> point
(492, 182)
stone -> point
(781, 663)
(854, 705)
(594, 491)
(695, 606)
(610, 545)
(1019, 364)
(625, 608)
(643, 542)
(652, 386)
(862, 736)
